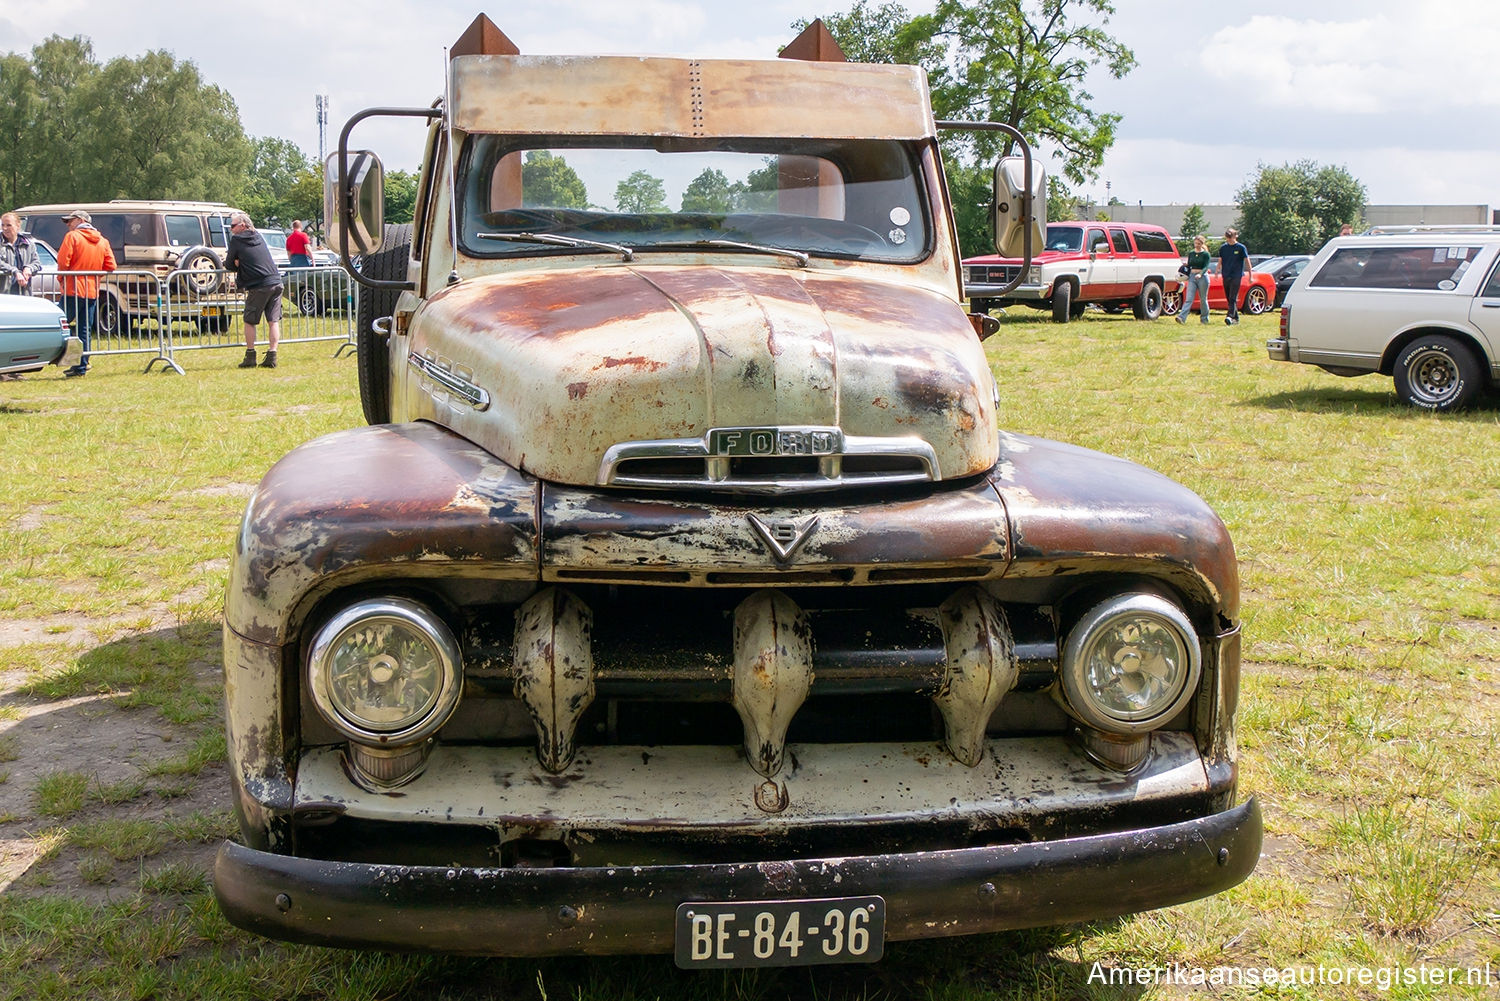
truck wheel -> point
(371, 350)
(1437, 373)
(1062, 302)
(1147, 305)
(1171, 302)
(1256, 301)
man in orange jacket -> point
(83, 249)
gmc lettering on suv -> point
(1114, 264)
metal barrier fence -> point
(141, 312)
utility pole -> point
(322, 104)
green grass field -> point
(1369, 545)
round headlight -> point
(1130, 664)
(385, 671)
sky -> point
(1398, 93)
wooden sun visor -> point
(482, 38)
(815, 44)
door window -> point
(184, 231)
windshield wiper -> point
(796, 255)
(560, 241)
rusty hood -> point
(574, 362)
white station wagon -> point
(1421, 305)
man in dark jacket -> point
(258, 278)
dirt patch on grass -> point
(118, 766)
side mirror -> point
(1099, 248)
(355, 214)
(1016, 210)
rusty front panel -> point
(254, 725)
(409, 500)
(627, 95)
(579, 360)
(710, 792)
(949, 534)
(1073, 509)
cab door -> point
(1099, 276)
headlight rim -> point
(1076, 690)
(414, 614)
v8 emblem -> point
(783, 538)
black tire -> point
(1062, 302)
(1437, 373)
(1256, 301)
(307, 301)
(1077, 310)
(213, 324)
(1147, 305)
(205, 272)
(371, 350)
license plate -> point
(780, 932)
(211, 310)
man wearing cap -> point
(84, 249)
(258, 277)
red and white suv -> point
(1112, 263)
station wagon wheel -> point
(1256, 301)
(1437, 373)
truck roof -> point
(689, 98)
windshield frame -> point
(742, 230)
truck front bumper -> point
(1029, 293)
(631, 909)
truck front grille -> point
(769, 461)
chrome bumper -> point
(631, 909)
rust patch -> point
(577, 390)
(635, 361)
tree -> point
(641, 192)
(547, 180)
(710, 191)
(275, 168)
(757, 192)
(1297, 207)
(147, 127)
(1193, 223)
(401, 195)
(1023, 62)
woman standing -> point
(1197, 281)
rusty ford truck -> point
(684, 594)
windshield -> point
(822, 198)
(1064, 238)
(275, 238)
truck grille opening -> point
(840, 461)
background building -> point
(1219, 216)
